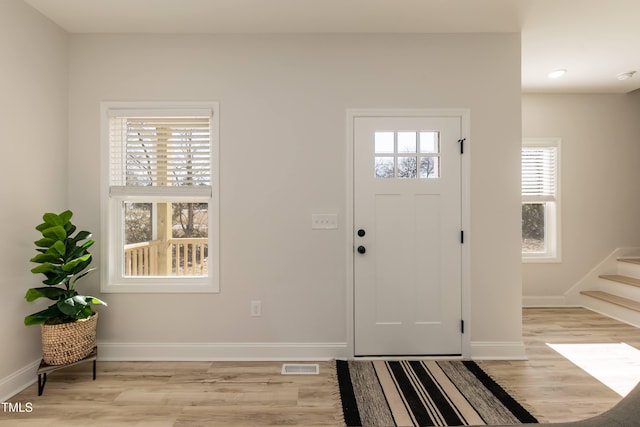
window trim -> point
(553, 253)
(112, 280)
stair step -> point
(630, 260)
(621, 279)
(614, 299)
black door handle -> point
(362, 249)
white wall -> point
(600, 204)
(33, 119)
(283, 101)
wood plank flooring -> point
(550, 386)
(163, 394)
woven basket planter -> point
(68, 342)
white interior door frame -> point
(464, 115)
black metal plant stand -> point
(44, 368)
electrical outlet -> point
(256, 308)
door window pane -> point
(407, 142)
(429, 167)
(399, 157)
(407, 167)
(384, 167)
(429, 142)
(384, 142)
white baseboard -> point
(113, 351)
(539, 301)
(500, 350)
(18, 381)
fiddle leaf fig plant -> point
(64, 259)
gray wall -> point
(33, 119)
(600, 203)
(283, 102)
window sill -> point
(541, 260)
(160, 288)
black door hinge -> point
(462, 326)
(461, 141)
(461, 236)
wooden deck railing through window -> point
(177, 257)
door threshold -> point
(412, 357)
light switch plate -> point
(324, 221)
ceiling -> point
(594, 40)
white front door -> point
(407, 236)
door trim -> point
(464, 115)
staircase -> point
(616, 294)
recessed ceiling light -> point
(557, 73)
(625, 76)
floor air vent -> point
(300, 369)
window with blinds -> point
(161, 197)
(539, 173)
(540, 200)
(160, 151)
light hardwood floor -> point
(552, 387)
(162, 394)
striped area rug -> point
(423, 393)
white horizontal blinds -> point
(172, 151)
(539, 173)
